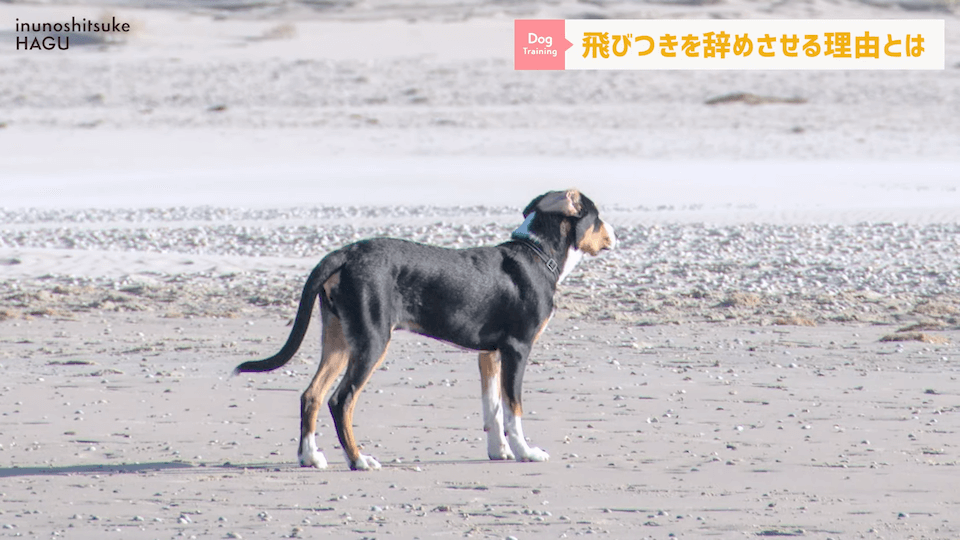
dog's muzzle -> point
(611, 235)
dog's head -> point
(574, 217)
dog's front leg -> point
(513, 361)
(497, 446)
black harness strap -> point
(549, 261)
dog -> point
(495, 300)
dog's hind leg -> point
(513, 360)
(362, 364)
(333, 357)
(497, 447)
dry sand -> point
(127, 426)
(771, 352)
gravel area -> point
(760, 273)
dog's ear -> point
(559, 202)
(532, 206)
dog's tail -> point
(311, 291)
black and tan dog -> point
(495, 300)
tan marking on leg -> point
(510, 406)
(489, 369)
(349, 442)
(333, 358)
(515, 408)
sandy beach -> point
(697, 430)
(770, 352)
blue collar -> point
(523, 231)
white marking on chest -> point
(573, 257)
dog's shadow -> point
(117, 468)
(339, 466)
(132, 468)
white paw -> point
(365, 463)
(314, 459)
(310, 455)
(499, 451)
(533, 454)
